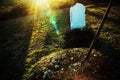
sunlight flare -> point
(42, 8)
(39, 1)
(53, 21)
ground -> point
(31, 50)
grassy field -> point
(31, 50)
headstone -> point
(77, 16)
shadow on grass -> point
(98, 15)
(110, 67)
(48, 40)
(78, 38)
(16, 12)
(14, 42)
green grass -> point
(29, 47)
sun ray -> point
(43, 8)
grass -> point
(31, 50)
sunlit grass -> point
(42, 8)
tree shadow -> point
(109, 68)
(16, 12)
(113, 20)
(106, 67)
(15, 36)
(48, 40)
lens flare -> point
(56, 29)
(42, 8)
(53, 20)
